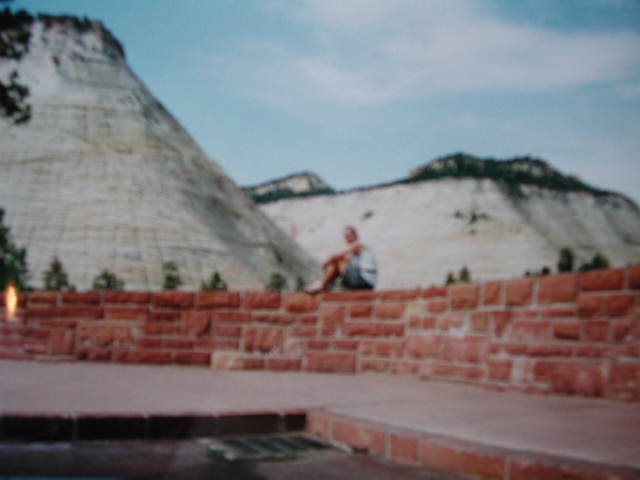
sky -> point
(363, 91)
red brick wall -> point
(575, 333)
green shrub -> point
(215, 282)
(277, 282)
(597, 262)
(172, 278)
(108, 281)
(56, 279)
(565, 262)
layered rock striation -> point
(103, 177)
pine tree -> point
(108, 281)
(565, 262)
(13, 260)
(214, 283)
(465, 275)
(277, 282)
(172, 278)
(56, 279)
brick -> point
(558, 288)
(601, 280)
(571, 377)
(165, 315)
(359, 310)
(500, 369)
(173, 299)
(148, 356)
(91, 334)
(192, 358)
(392, 329)
(405, 449)
(48, 298)
(11, 342)
(501, 321)
(523, 470)
(619, 305)
(226, 361)
(230, 317)
(596, 330)
(422, 346)
(451, 320)
(559, 313)
(161, 328)
(634, 276)
(262, 300)
(136, 298)
(480, 322)
(275, 319)
(153, 343)
(58, 323)
(354, 296)
(197, 323)
(65, 311)
(374, 365)
(448, 370)
(623, 330)
(318, 344)
(594, 351)
(519, 292)
(550, 351)
(566, 330)
(464, 296)
(127, 313)
(262, 339)
(372, 441)
(389, 349)
(177, 343)
(405, 368)
(61, 342)
(284, 364)
(625, 374)
(227, 331)
(390, 311)
(492, 293)
(434, 292)
(319, 423)
(437, 306)
(308, 319)
(590, 305)
(218, 299)
(304, 331)
(467, 349)
(355, 329)
(399, 295)
(332, 317)
(81, 298)
(330, 362)
(93, 354)
(348, 345)
(457, 461)
(531, 331)
(35, 348)
(301, 302)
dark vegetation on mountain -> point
(15, 35)
(512, 173)
(280, 193)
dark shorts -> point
(353, 279)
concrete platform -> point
(595, 438)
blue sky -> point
(362, 91)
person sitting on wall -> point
(355, 267)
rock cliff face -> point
(423, 230)
(103, 177)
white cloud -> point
(377, 52)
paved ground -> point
(583, 429)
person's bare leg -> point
(331, 272)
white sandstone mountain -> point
(103, 177)
(422, 230)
